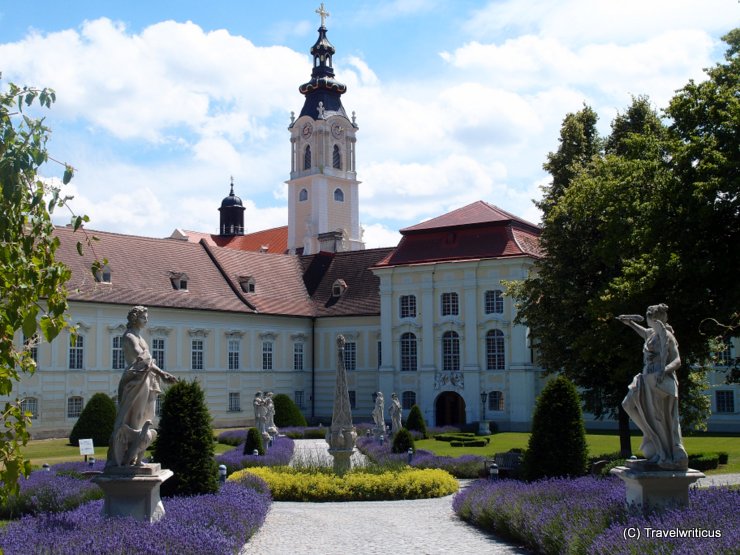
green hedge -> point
(704, 461)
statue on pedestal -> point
(378, 412)
(137, 396)
(652, 397)
(270, 415)
(395, 412)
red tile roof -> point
(476, 231)
(275, 240)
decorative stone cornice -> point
(198, 332)
(159, 330)
(234, 334)
(119, 329)
(267, 335)
(300, 336)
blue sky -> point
(159, 103)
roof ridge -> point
(222, 271)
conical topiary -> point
(557, 445)
(253, 442)
(415, 421)
(95, 421)
(402, 441)
(185, 441)
(287, 412)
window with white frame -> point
(298, 398)
(74, 406)
(407, 306)
(196, 354)
(352, 399)
(450, 351)
(725, 401)
(31, 344)
(235, 402)
(158, 406)
(408, 399)
(31, 404)
(158, 352)
(495, 359)
(494, 302)
(408, 352)
(450, 304)
(76, 352)
(350, 355)
(117, 359)
(298, 356)
(233, 354)
(496, 400)
(267, 348)
(724, 357)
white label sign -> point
(86, 447)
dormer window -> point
(338, 288)
(247, 284)
(103, 275)
(179, 281)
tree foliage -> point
(185, 441)
(652, 216)
(96, 421)
(557, 445)
(34, 299)
(287, 412)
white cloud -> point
(377, 235)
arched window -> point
(494, 303)
(495, 400)
(408, 352)
(338, 195)
(307, 158)
(303, 195)
(495, 350)
(337, 158)
(450, 351)
(408, 399)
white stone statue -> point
(652, 397)
(395, 412)
(378, 412)
(260, 413)
(270, 415)
(137, 396)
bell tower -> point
(323, 203)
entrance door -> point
(450, 409)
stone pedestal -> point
(133, 491)
(656, 489)
(342, 460)
(484, 428)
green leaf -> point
(29, 322)
(79, 248)
(68, 174)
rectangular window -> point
(724, 357)
(74, 407)
(196, 354)
(350, 355)
(158, 406)
(31, 404)
(494, 302)
(158, 351)
(496, 400)
(298, 398)
(298, 356)
(233, 354)
(352, 400)
(267, 355)
(76, 352)
(725, 401)
(117, 354)
(408, 400)
(31, 344)
(450, 306)
(234, 402)
(407, 306)
(380, 353)
(408, 352)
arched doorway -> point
(449, 409)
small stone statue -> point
(270, 427)
(260, 413)
(395, 412)
(652, 397)
(137, 396)
(378, 412)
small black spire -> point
(232, 214)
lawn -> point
(598, 444)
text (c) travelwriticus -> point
(636, 532)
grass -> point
(598, 444)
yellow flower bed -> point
(287, 484)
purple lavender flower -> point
(279, 454)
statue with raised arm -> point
(652, 397)
(137, 396)
(395, 412)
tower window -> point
(337, 158)
(307, 158)
(303, 195)
(338, 195)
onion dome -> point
(232, 215)
(232, 199)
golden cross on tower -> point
(322, 13)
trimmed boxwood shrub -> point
(185, 441)
(415, 421)
(254, 441)
(704, 461)
(287, 412)
(557, 445)
(96, 421)
(724, 457)
(402, 441)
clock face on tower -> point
(337, 130)
(307, 130)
